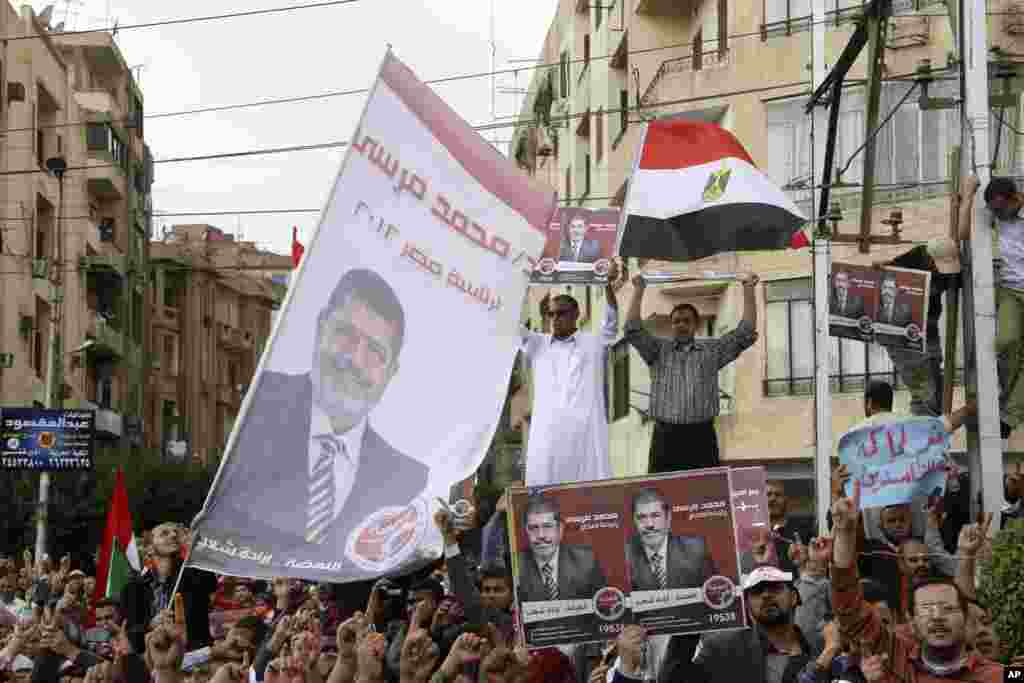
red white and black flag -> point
(696, 192)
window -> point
(100, 137)
(568, 184)
(171, 354)
(599, 134)
(618, 401)
(698, 50)
(40, 337)
(586, 53)
(563, 73)
(782, 17)
(723, 27)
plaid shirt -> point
(684, 377)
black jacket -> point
(196, 587)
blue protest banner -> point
(896, 460)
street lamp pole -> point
(55, 361)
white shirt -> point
(346, 463)
(1011, 253)
(568, 439)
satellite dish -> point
(59, 27)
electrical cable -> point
(187, 20)
(878, 128)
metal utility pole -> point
(822, 267)
(985, 457)
(55, 359)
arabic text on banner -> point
(589, 559)
(385, 376)
(750, 508)
(44, 439)
(896, 460)
(580, 247)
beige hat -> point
(946, 254)
(766, 574)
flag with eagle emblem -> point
(695, 192)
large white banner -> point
(386, 374)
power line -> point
(189, 20)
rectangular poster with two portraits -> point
(663, 552)
(385, 375)
(887, 306)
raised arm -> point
(972, 536)
(750, 299)
(610, 327)
(968, 189)
(642, 340)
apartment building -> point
(746, 66)
(212, 300)
(72, 97)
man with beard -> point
(550, 569)
(843, 303)
(658, 560)
(891, 311)
(308, 438)
(575, 246)
(772, 651)
(146, 598)
(935, 650)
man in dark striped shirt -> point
(684, 379)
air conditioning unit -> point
(26, 324)
(106, 230)
(40, 268)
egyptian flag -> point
(297, 248)
(696, 192)
(118, 554)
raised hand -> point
(845, 511)
(419, 657)
(164, 649)
(466, 649)
(370, 656)
(874, 667)
(840, 476)
(762, 546)
(639, 283)
(797, 551)
(972, 536)
(820, 549)
(234, 672)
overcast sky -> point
(297, 53)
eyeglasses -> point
(562, 313)
(937, 610)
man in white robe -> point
(568, 440)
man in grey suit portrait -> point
(843, 302)
(575, 245)
(550, 569)
(656, 559)
(891, 311)
(307, 451)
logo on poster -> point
(719, 592)
(387, 537)
(609, 603)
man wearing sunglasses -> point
(308, 438)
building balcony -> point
(666, 8)
(104, 264)
(99, 50)
(106, 182)
(108, 343)
(100, 101)
(167, 317)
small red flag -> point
(297, 249)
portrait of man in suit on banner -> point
(575, 245)
(845, 303)
(309, 438)
(891, 311)
(550, 569)
(659, 560)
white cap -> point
(766, 574)
(946, 254)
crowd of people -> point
(876, 599)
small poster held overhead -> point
(579, 248)
(888, 306)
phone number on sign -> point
(22, 463)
